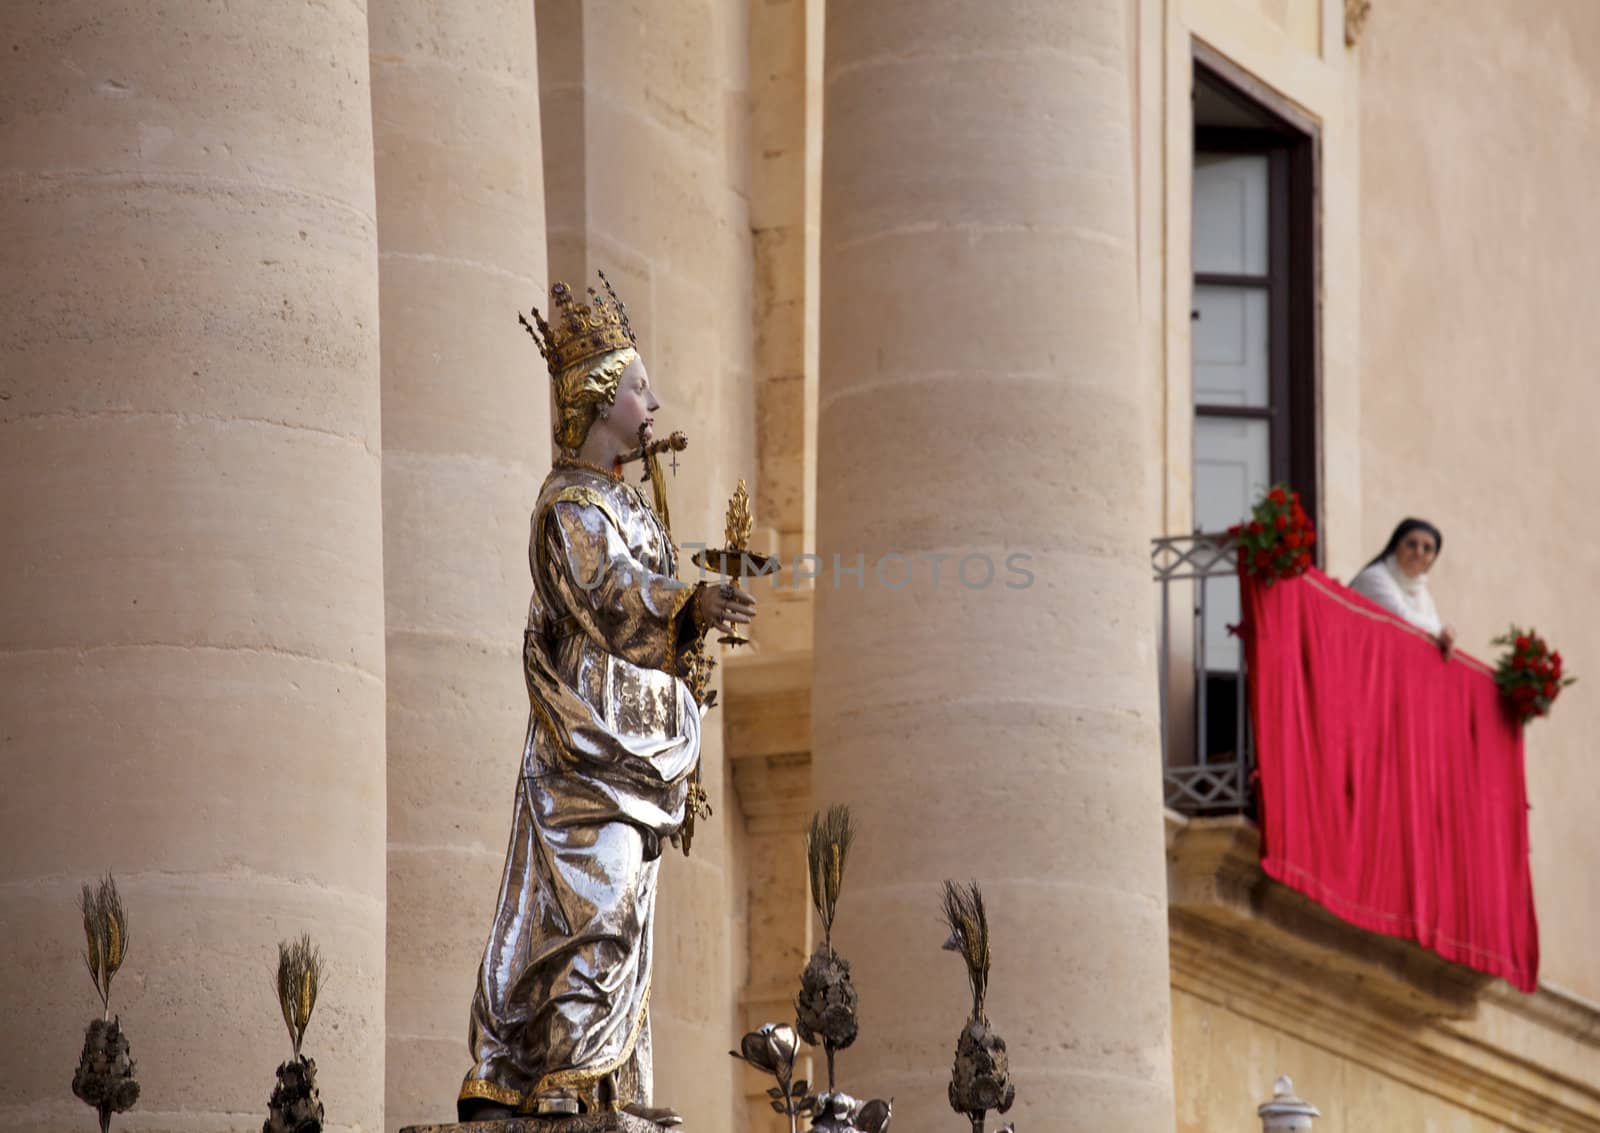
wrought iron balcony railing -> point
(1207, 755)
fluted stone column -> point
(191, 590)
(980, 398)
(455, 111)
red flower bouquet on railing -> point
(1277, 541)
(1529, 674)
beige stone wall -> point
(1479, 144)
(1267, 982)
(466, 430)
(191, 594)
(645, 126)
(1223, 1069)
(1509, 1070)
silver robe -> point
(613, 735)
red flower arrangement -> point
(1277, 541)
(1529, 674)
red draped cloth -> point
(1392, 789)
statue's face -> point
(635, 405)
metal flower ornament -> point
(840, 1113)
(981, 1079)
(104, 1078)
(826, 1008)
(296, 1105)
(772, 1050)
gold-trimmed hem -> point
(584, 1078)
(483, 1090)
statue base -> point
(582, 1123)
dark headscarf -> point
(1406, 527)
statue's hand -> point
(725, 606)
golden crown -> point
(578, 332)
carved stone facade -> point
(1355, 18)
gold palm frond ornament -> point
(981, 1079)
(735, 559)
(104, 1078)
(296, 1104)
(739, 524)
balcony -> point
(1317, 808)
(1207, 758)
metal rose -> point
(838, 1112)
(770, 1049)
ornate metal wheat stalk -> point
(826, 1008)
(981, 1078)
(296, 1104)
(104, 1078)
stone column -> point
(767, 713)
(782, 201)
(767, 724)
(191, 589)
(455, 111)
(980, 398)
(645, 118)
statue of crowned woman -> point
(560, 1019)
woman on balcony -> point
(1397, 579)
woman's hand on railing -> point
(1447, 641)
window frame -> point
(1291, 142)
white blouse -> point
(1390, 587)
